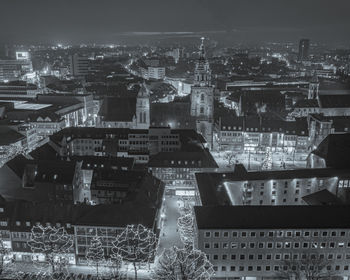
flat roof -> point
(272, 217)
(31, 106)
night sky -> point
(104, 20)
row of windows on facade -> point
(276, 268)
(279, 256)
(274, 183)
(30, 224)
(286, 138)
(256, 129)
(278, 233)
(276, 245)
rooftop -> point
(272, 217)
(9, 136)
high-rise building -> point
(202, 96)
(304, 45)
(79, 65)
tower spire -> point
(202, 49)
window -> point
(206, 245)
(216, 245)
(207, 234)
(225, 234)
(223, 268)
(215, 257)
(234, 245)
(233, 257)
(225, 245)
(243, 245)
(216, 234)
(244, 234)
(233, 268)
(241, 257)
(269, 245)
(224, 257)
(234, 234)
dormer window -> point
(68, 225)
(55, 177)
(28, 224)
(18, 223)
(1, 210)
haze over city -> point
(105, 21)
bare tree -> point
(54, 243)
(182, 264)
(186, 228)
(230, 157)
(136, 244)
(95, 253)
(5, 261)
(309, 267)
(115, 264)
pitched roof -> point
(9, 136)
(323, 197)
(335, 149)
(118, 109)
(334, 101)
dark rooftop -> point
(118, 109)
(272, 217)
(335, 149)
(9, 136)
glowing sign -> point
(22, 55)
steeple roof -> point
(144, 91)
(314, 78)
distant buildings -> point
(151, 69)
(79, 65)
(11, 70)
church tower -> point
(143, 108)
(313, 87)
(202, 96)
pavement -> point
(169, 236)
